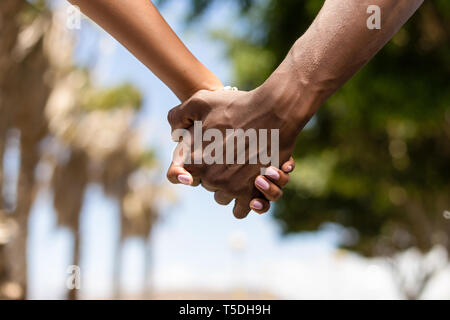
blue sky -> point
(192, 243)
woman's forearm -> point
(138, 25)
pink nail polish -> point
(288, 168)
(272, 173)
(184, 179)
(263, 184)
(257, 205)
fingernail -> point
(263, 184)
(289, 168)
(272, 173)
(257, 205)
(184, 179)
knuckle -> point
(196, 171)
(233, 189)
(277, 194)
(221, 198)
(171, 117)
(199, 99)
(199, 96)
(170, 176)
(216, 176)
(218, 181)
(243, 189)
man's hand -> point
(222, 110)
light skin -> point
(138, 25)
(333, 49)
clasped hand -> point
(218, 112)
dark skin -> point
(333, 49)
(243, 182)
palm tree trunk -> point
(117, 273)
(17, 258)
(148, 269)
(73, 293)
(17, 248)
(2, 149)
(3, 260)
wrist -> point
(286, 99)
(292, 93)
(196, 79)
(210, 84)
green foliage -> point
(32, 10)
(147, 159)
(252, 63)
(376, 157)
(199, 7)
(121, 96)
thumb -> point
(184, 115)
(177, 174)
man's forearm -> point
(138, 25)
(334, 48)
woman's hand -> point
(275, 178)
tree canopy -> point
(376, 156)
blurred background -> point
(84, 147)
